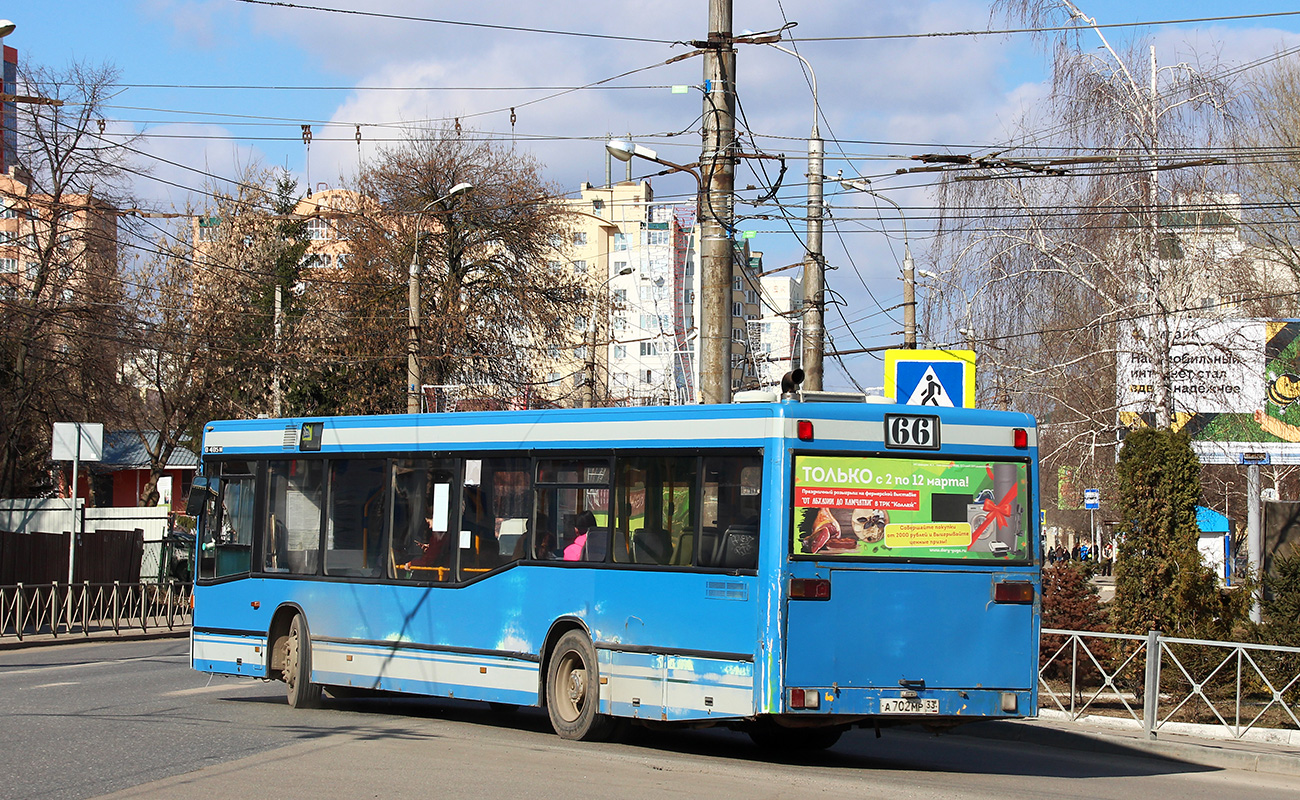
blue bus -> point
(789, 567)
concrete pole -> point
(717, 164)
(589, 371)
(1254, 537)
(814, 272)
(413, 331)
(276, 391)
(909, 298)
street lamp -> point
(589, 398)
(909, 267)
(814, 263)
(626, 151)
(716, 257)
(413, 312)
(967, 331)
(6, 28)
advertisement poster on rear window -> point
(848, 507)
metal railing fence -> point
(1162, 681)
(80, 609)
(1154, 680)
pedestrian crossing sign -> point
(940, 378)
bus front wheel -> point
(302, 693)
(573, 691)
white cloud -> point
(918, 94)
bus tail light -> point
(805, 698)
(1020, 437)
(810, 589)
(1013, 592)
(804, 430)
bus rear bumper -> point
(920, 705)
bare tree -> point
(62, 321)
(1062, 253)
(1270, 173)
(489, 304)
(206, 338)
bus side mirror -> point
(199, 494)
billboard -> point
(1235, 383)
(904, 508)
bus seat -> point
(739, 547)
(709, 538)
(509, 534)
(651, 546)
(682, 552)
(509, 542)
(622, 547)
(597, 544)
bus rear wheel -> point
(299, 689)
(573, 691)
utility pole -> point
(1254, 532)
(909, 299)
(413, 329)
(718, 167)
(276, 392)
(814, 268)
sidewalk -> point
(47, 639)
(1251, 756)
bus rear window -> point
(855, 507)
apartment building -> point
(60, 252)
(774, 336)
(639, 343)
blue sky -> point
(883, 100)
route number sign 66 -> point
(912, 431)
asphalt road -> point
(89, 720)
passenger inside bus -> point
(577, 549)
(433, 547)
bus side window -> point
(497, 496)
(573, 509)
(655, 510)
(731, 505)
(358, 505)
(291, 535)
(423, 537)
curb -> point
(46, 640)
(1216, 754)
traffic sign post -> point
(75, 442)
(936, 378)
(1092, 502)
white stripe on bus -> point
(397, 437)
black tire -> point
(772, 737)
(573, 691)
(299, 689)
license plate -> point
(909, 705)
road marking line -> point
(221, 687)
(7, 672)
